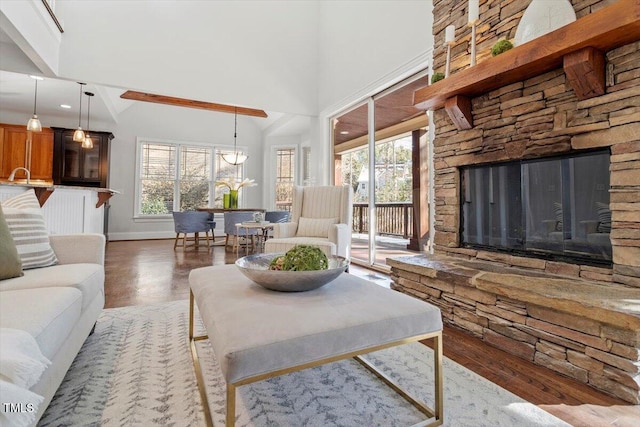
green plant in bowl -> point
(501, 47)
(301, 258)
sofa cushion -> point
(315, 227)
(29, 231)
(11, 266)
(48, 314)
(87, 278)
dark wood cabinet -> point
(74, 165)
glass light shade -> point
(34, 124)
(87, 143)
(78, 135)
(235, 158)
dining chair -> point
(230, 221)
(196, 222)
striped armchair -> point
(320, 216)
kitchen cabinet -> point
(31, 150)
(85, 167)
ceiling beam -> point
(190, 103)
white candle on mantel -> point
(474, 11)
(450, 34)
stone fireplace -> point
(579, 318)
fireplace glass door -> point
(554, 208)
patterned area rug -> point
(136, 370)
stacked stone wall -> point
(536, 118)
(601, 350)
(498, 20)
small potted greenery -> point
(436, 77)
(500, 47)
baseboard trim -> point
(150, 235)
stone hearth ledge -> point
(607, 303)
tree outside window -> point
(195, 177)
(173, 177)
(394, 180)
(285, 177)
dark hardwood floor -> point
(150, 271)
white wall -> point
(251, 53)
(29, 25)
(179, 124)
(364, 42)
(365, 47)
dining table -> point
(214, 211)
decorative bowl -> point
(256, 268)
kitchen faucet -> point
(13, 173)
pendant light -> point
(34, 123)
(78, 135)
(235, 158)
(87, 142)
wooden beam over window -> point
(190, 103)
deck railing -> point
(393, 219)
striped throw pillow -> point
(29, 231)
(10, 265)
(315, 227)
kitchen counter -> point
(66, 209)
(44, 189)
(48, 184)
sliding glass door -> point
(375, 145)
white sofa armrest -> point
(284, 230)
(78, 248)
(340, 234)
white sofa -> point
(58, 305)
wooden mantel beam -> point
(585, 70)
(608, 28)
(459, 110)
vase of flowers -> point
(233, 199)
(230, 199)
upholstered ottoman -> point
(257, 333)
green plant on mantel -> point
(436, 77)
(500, 47)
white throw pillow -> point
(315, 227)
(29, 231)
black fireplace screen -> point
(554, 208)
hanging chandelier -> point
(235, 158)
(78, 135)
(87, 142)
(34, 124)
